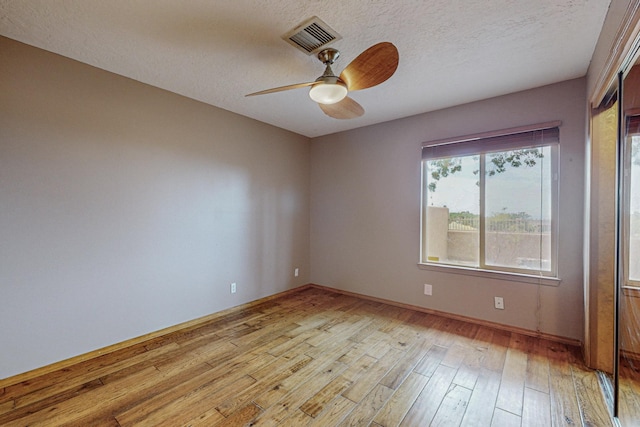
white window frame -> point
(474, 145)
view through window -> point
(490, 203)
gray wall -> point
(365, 212)
(126, 209)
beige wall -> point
(126, 209)
(365, 212)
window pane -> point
(634, 211)
(453, 210)
(518, 209)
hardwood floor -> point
(629, 403)
(319, 358)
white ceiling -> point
(451, 51)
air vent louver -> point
(311, 36)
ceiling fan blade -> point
(345, 109)
(282, 88)
(371, 67)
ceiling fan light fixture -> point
(328, 93)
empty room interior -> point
(424, 213)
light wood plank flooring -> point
(629, 403)
(319, 358)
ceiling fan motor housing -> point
(328, 56)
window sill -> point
(631, 291)
(489, 274)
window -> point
(631, 204)
(490, 201)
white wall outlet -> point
(428, 289)
(233, 288)
(499, 303)
(296, 272)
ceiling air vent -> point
(311, 36)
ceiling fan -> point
(372, 67)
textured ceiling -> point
(451, 51)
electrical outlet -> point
(296, 272)
(233, 288)
(499, 303)
(428, 289)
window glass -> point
(518, 209)
(453, 211)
